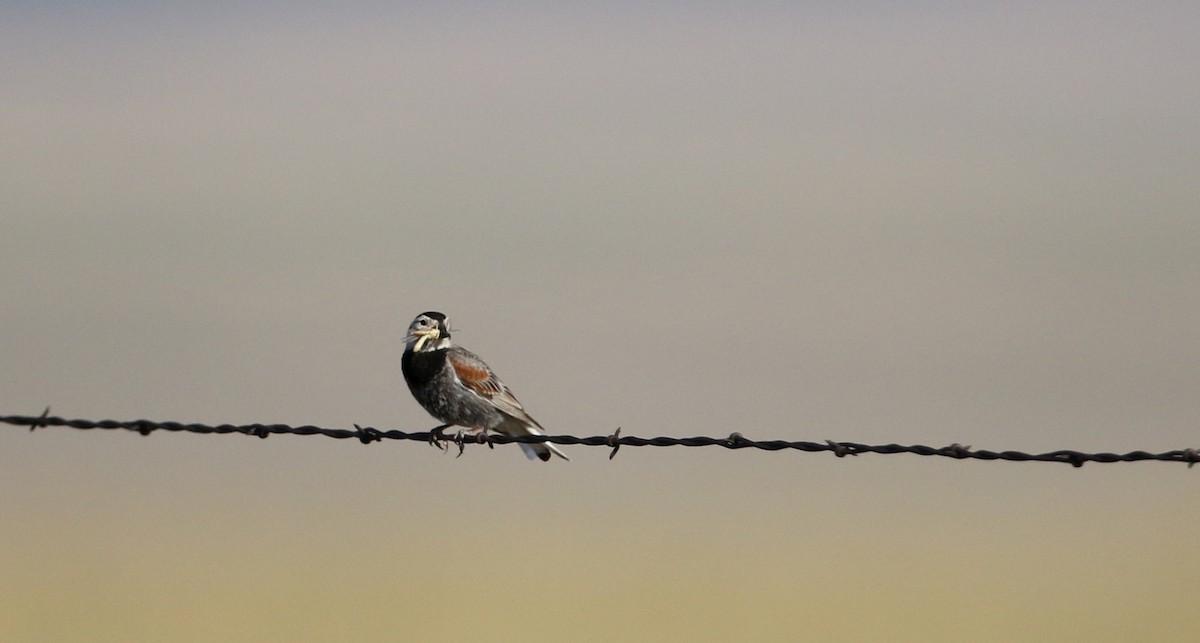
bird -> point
(458, 388)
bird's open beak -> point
(422, 336)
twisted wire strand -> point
(366, 435)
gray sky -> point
(927, 223)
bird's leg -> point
(458, 439)
(437, 438)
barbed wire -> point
(615, 441)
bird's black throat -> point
(421, 367)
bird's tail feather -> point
(541, 451)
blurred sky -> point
(875, 222)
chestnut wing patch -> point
(477, 376)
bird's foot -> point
(480, 435)
(458, 439)
(437, 438)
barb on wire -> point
(615, 441)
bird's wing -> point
(478, 377)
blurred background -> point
(874, 222)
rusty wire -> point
(615, 441)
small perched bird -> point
(458, 388)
